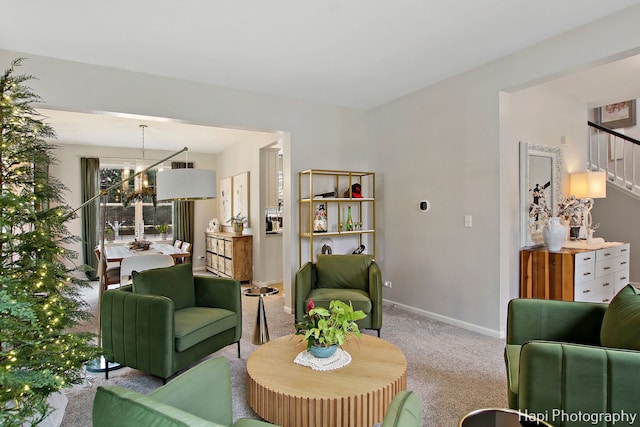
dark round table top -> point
(496, 417)
(260, 291)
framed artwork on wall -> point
(241, 196)
(226, 200)
(618, 115)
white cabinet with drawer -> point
(610, 273)
(574, 274)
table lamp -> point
(587, 186)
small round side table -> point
(498, 417)
(261, 330)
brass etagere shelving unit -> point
(333, 188)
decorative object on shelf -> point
(323, 327)
(320, 223)
(214, 226)
(226, 199)
(348, 226)
(356, 191)
(554, 234)
(358, 250)
(327, 245)
(238, 223)
(575, 211)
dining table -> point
(116, 253)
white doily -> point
(338, 360)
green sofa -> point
(564, 359)
(169, 319)
(355, 278)
(200, 396)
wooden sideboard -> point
(574, 274)
(230, 256)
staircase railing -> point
(616, 154)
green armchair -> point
(168, 319)
(355, 278)
(200, 396)
(405, 410)
(557, 365)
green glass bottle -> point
(349, 224)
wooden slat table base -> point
(358, 394)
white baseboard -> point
(451, 321)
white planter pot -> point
(554, 234)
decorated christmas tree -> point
(40, 299)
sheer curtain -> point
(183, 213)
(90, 187)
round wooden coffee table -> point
(292, 395)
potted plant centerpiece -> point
(327, 329)
(238, 223)
(163, 229)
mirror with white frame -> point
(540, 189)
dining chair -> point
(142, 263)
(186, 247)
(110, 274)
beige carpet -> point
(453, 370)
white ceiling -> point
(354, 53)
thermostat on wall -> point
(424, 205)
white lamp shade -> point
(185, 184)
(588, 185)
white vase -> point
(554, 234)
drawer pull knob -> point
(623, 278)
(623, 250)
(606, 268)
(586, 274)
(623, 262)
(587, 258)
(605, 300)
(586, 291)
(606, 284)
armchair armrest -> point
(551, 320)
(218, 292)
(204, 391)
(137, 330)
(574, 377)
(375, 293)
(305, 281)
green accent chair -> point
(405, 410)
(355, 278)
(200, 396)
(169, 319)
(569, 357)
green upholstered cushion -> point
(196, 324)
(117, 406)
(360, 300)
(621, 322)
(343, 271)
(175, 282)
(405, 410)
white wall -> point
(451, 143)
(68, 171)
(314, 135)
(445, 143)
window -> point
(139, 207)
